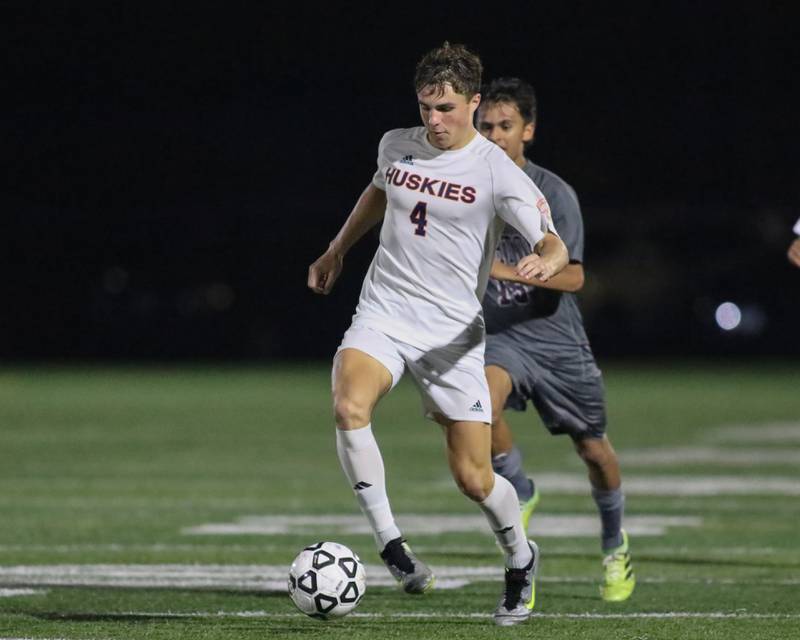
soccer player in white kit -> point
(444, 193)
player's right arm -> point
(367, 212)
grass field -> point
(169, 503)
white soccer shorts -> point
(451, 382)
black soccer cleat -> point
(413, 574)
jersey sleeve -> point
(520, 203)
(379, 179)
(567, 218)
(797, 227)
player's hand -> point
(324, 270)
(535, 266)
(794, 252)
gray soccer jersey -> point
(537, 334)
(540, 317)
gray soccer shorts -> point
(564, 384)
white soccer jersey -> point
(439, 235)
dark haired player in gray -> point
(537, 348)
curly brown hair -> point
(451, 64)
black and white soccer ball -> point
(327, 580)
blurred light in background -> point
(728, 316)
(746, 320)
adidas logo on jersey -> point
(407, 159)
(477, 407)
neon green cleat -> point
(619, 579)
(527, 508)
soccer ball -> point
(327, 580)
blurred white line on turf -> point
(16, 593)
(316, 525)
(774, 432)
(675, 485)
(656, 615)
(273, 578)
(669, 456)
(552, 549)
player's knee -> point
(596, 452)
(350, 412)
(474, 483)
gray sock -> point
(610, 504)
(509, 465)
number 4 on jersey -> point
(419, 218)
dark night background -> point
(171, 170)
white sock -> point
(502, 511)
(363, 465)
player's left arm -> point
(514, 195)
(549, 257)
(570, 279)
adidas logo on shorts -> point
(477, 406)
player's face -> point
(447, 116)
(502, 123)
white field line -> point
(126, 548)
(426, 524)
(773, 432)
(665, 551)
(669, 456)
(471, 616)
(273, 578)
(675, 486)
(15, 593)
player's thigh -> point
(359, 377)
(366, 359)
(500, 387)
(512, 372)
(467, 442)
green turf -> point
(110, 466)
